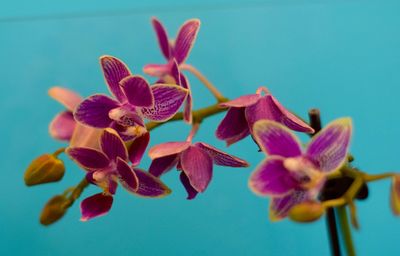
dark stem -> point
(315, 123)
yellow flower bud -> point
(306, 212)
(46, 168)
(54, 209)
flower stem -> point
(217, 94)
(346, 231)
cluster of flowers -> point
(108, 137)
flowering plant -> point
(107, 136)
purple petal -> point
(126, 176)
(275, 139)
(221, 158)
(114, 71)
(126, 115)
(162, 37)
(167, 101)
(168, 148)
(185, 39)
(233, 127)
(271, 178)
(157, 70)
(187, 111)
(192, 193)
(138, 147)
(197, 165)
(63, 125)
(328, 149)
(88, 158)
(175, 73)
(66, 97)
(137, 90)
(149, 185)
(104, 179)
(95, 206)
(112, 145)
(162, 165)
(243, 101)
(280, 206)
(94, 111)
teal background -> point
(340, 56)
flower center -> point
(304, 172)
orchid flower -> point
(63, 124)
(108, 166)
(134, 100)
(194, 160)
(244, 111)
(290, 175)
(173, 50)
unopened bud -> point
(44, 169)
(306, 212)
(54, 209)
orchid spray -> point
(107, 136)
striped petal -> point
(167, 101)
(328, 149)
(233, 127)
(156, 70)
(137, 91)
(221, 158)
(63, 125)
(161, 165)
(167, 149)
(69, 99)
(126, 176)
(138, 147)
(275, 139)
(192, 193)
(112, 145)
(114, 71)
(243, 101)
(162, 37)
(88, 158)
(280, 206)
(185, 39)
(197, 166)
(149, 185)
(96, 206)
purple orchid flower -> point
(194, 160)
(63, 124)
(108, 166)
(244, 111)
(135, 100)
(291, 176)
(177, 50)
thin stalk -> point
(346, 231)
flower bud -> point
(54, 209)
(395, 195)
(306, 212)
(46, 168)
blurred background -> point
(340, 56)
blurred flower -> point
(306, 211)
(44, 169)
(291, 176)
(194, 160)
(178, 49)
(395, 195)
(135, 99)
(244, 111)
(54, 209)
(63, 124)
(108, 166)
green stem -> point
(346, 231)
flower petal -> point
(233, 127)
(138, 147)
(221, 158)
(156, 70)
(149, 185)
(88, 158)
(243, 101)
(126, 115)
(85, 136)
(185, 39)
(275, 139)
(168, 148)
(162, 37)
(280, 206)
(62, 126)
(127, 176)
(112, 145)
(187, 111)
(94, 111)
(192, 193)
(328, 149)
(197, 165)
(271, 178)
(114, 71)
(137, 91)
(162, 165)
(395, 195)
(95, 206)
(167, 101)
(66, 97)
